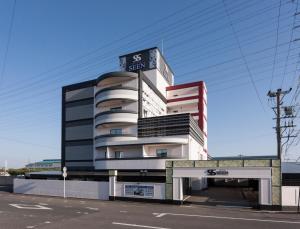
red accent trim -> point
(186, 85)
(182, 99)
(200, 107)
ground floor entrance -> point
(225, 182)
(224, 192)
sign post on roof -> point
(64, 176)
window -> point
(145, 113)
(161, 153)
(115, 131)
(116, 108)
(118, 154)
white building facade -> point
(132, 121)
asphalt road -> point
(23, 211)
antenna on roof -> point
(162, 46)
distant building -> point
(45, 164)
(291, 173)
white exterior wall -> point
(183, 108)
(131, 106)
(196, 150)
(174, 151)
(152, 103)
(125, 83)
(130, 164)
(158, 80)
(129, 129)
(290, 195)
(128, 152)
(184, 92)
(159, 189)
(75, 189)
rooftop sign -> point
(145, 60)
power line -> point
(291, 41)
(276, 42)
(175, 26)
(8, 42)
(244, 58)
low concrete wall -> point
(6, 180)
(290, 195)
(76, 189)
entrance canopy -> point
(267, 171)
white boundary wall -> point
(75, 189)
(290, 195)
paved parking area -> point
(23, 211)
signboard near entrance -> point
(215, 172)
(139, 191)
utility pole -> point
(278, 95)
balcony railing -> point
(169, 125)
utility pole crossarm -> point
(279, 95)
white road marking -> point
(29, 206)
(233, 206)
(229, 218)
(123, 211)
(158, 215)
(136, 225)
(43, 204)
(47, 222)
(94, 209)
(30, 227)
(186, 198)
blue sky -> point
(59, 42)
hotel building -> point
(132, 121)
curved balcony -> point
(115, 78)
(115, 117)
(110, 95)
(106, 139)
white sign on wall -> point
(139, 190)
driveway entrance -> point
(265, 172)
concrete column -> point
(112, 184)
(265, 192)
(144, 150)
(177, 189)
